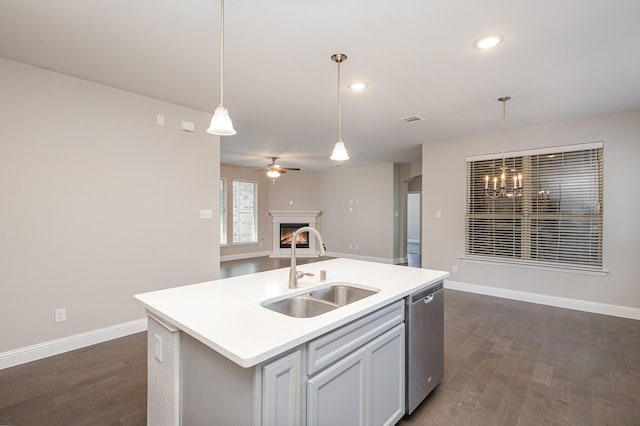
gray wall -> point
(98, 203)
(296, 191)
(443, 239)
(369, 192)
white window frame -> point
(223, 192)
(255, 212)
(527, 219)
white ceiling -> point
(560, 59)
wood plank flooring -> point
(506, 363)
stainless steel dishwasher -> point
(425, 343)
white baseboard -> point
(69, 343)
(543, 299)
(368, 258)
(244, 255)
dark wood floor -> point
(506, 363)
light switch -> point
(206, 214)
(438, 214)
(160, 119)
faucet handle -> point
(300, 274)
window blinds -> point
(556, 221)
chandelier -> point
(509, 183)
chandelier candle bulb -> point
(486, 182)
(519, 180)
(495, 183)
(515, 182)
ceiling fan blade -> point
(289, 168)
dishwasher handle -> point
(425, 295)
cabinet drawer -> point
(334, 345)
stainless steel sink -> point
(302, 306)
(319, 301)
(341, 294)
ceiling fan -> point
(274, 170)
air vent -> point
(413, 118)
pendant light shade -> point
(339, 150)
(221, 124)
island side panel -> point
(215, 390)
(163, 371)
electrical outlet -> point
(157, 340)
(357, 247)
(454, 269)
(61, 314)
(350, 245)
(187, 126)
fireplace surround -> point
(285, 223)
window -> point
(245, 212)
(558, 219)
(223, 211)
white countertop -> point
(226, 314)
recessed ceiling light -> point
(358, 86)
(489, 41)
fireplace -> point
(285, 223)
(286, 232)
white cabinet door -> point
(281, 391)
(385, 365)
(338, 395)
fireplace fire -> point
(286, 233)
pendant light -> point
(221, 124)
(502, 183)
(339, 151)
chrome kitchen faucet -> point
(293, 274)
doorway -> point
(414, 233)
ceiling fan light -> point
(221, 124)
(273, 173)
(339, 152)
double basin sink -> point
(319, 301)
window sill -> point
(572, 270)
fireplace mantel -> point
(293, 216)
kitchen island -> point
(218, 356)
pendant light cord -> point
(221, 52)
(339, 122)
